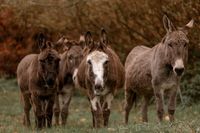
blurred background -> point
(128, 23)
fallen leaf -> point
(167, 118)
(111, 129)
(82, 120)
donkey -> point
(100, 75)
(37, 76)
(151, 71)
(69, 63)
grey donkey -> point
(152, 71)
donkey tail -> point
(130, 98)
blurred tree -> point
(128, 23)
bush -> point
(191, 85)
(129, 23)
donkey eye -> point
(89, 62)
(170, 45)
(106, 62)
(185, 44)
(70, 57)
(57, 61)
(42, 61)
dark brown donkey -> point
(70, 61)
(37, 78)
(100, 75)
(151, 71)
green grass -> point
(80, 121)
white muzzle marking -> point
(75, 80)
(179, 64)
(178, 67)
(75, 74)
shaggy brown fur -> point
(37, 79)
(70, 61)
(151, 71)
(113, 79)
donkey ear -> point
(66, 48)
(61, 40)
(49, 44)
(169, 27)
(103, 37)
(188, 26)
(67, 45)
(88, 39)
(41, 39)
(82, 38)
(82, 41)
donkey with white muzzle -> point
(100, 75)
(151, 71)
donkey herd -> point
(47, 80)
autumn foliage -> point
(128, 23)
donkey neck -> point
(35, 72)
(64, 66)
(159, 54)
(160, 63)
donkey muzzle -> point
(98, 89)
(74, 75)
(179, 67)
(179, 71)
(50, 82)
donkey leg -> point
(145, 109)
(159, 102)
(39, 114)
(27, 108)
(65, 111)
(66, 99)
(106, 115)
(106, 108)
(93, 118)
(44, 104)
(172, 104)
(49, 111)
(56, 110)
(93, 114)
(129, 100)
(96, 112)
(44, 121)
(98, 118)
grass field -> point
(80, 121)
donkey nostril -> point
(98, 87)
(50, 82)
(179, 71)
